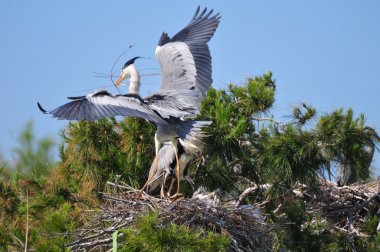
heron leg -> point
(178, 193)
(162, 192)
(171, 186)
(157, 146)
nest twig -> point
(344, 208)
(244, 225)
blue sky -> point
(326, 53)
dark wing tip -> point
(196, 12)
(164, 39)
(204, 14)
(76, 97)
(41, 108)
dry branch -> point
(244, 225)
(343, 208)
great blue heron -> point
(185, 63)
(346, 173)
(188, 148)
(166, 168)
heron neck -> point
(134, 85)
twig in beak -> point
(113, 66)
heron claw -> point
(163, 195)
(178, 195)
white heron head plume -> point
(129, 70)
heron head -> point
(126, 71)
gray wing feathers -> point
(191, 133)
(102, 104)
(185, 59)
(191, 130)
(202, 60)
(200, 29)
(166, 158)
(169, 104)
(178, 69)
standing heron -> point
(185, 63)
(188, 148)
(346, 173)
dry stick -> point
(98, 242)
(365, 203)
(121, 186)
(249, 190)
(357, 209)
(113, 66)
(102, 232)
(18, 240)
(27, 221)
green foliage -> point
(150, 234)
(302, 233)
(98, 151)
(59, 220)
(9, 200)
(244, 143)
(304, 114)
(5, 238)
(278, 154)
(347, 139)
(370, 243)
(289, 156)
(371, 224)
(34, 157)
(233, 131)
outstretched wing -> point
(170, 104)
(185, 59)
(103, 104)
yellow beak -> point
(118, 82)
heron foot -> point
(176, 196)
(164, 195)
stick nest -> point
(345, 209)
(244, 225)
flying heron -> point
(185, 62)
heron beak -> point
(118, 82)
(124, 74)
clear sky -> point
(326, 53)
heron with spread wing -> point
(185, 63)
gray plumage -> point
(185, 63)
(103, 104)
(345, 174)
(191, 142)
(185, 59)
(166, 167)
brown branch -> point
(250, 190)
(95, 243)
